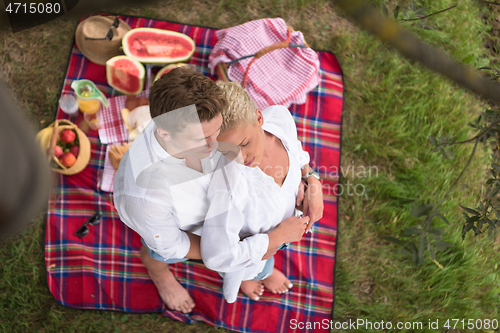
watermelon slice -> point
(157, 46)
(167, 69)
(125, 75)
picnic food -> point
(125, 75)
(67, 135)
(89, 99)
(150, 45)
(133, 101)
(116, 153)
(168, 68)
(67, 158)
(75, 150)
(137, 119)
(58, 151)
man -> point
(177, 149)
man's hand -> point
(313, 201)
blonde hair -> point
(241, 108)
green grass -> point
(391, 107)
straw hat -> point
(100, 51)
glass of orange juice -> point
(89, 99)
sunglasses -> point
(84, 230)
(109, 35)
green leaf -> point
(423, 9)
(432, 253)
(432, 140)
(466, 228)
(441, 246)
(473, 219)
(384, 9)
(442, 218)
(481, 206)
(490, 181)
(124, 318)
(450, 154)
(443, 153)
(470, 211)
(436, 231)
(421, 248)
(414, 252)
(402, 252)
(394, 240)
(468, 59)
(410, 231)
(396, 12)
(484, 68)
(423, 210)
(496, 167)
(493, 192)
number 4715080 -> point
(33, 8)
(471, 324)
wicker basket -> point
(48, 139)
(221, 68)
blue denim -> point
(267, 271)
(158, 257)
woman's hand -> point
(288, 231)
(313, 201)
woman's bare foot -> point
(252, 289)
(171, 292)
(277, 283)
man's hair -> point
(181, 87)
(241, 108)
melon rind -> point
(157, 60)
(160, 73)
(142, 74)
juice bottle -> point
(89, 99)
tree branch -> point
(479, 135)
(461, 173)
(426, 16)
(436, 209)
(413, 48)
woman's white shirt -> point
(245, 204)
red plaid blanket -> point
(103, 269)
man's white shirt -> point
(159, 197)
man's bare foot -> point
(277, 283)
(171, 292)
(252, 289)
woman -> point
(251, 198)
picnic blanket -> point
(103, 270)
